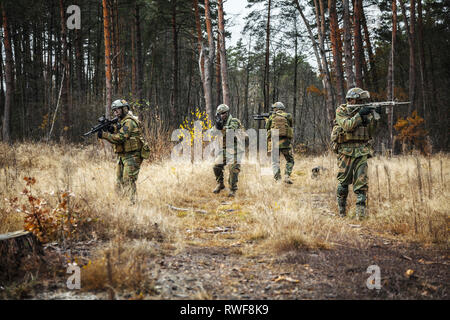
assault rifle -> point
(262, 116)
(374, 105)
(103, 124)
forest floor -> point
(272, 241)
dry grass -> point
(408, 200)
(408, 197)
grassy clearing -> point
(408, 200)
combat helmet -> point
(278, 105)
(119, 104)
(357, 93)
(222, 109)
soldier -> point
(356, 125)
(127, 142)
(224, 122)
(282, 121)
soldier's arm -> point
(372, 125)
(123, 134)
(347, 123)
(268, 123)
(290, 120)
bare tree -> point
(8, 77)
(223, 59)
(107, 36)
(348, 46)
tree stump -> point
(15, 246)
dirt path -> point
(218, 265)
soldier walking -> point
(354, 129)
(127, 142)
(281, 121)
(225, 123)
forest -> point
(69, 230)
(169, 58)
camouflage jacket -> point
(357, 137)
(233, 124)
(129, 136)
(283, 142)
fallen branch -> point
(187, 209)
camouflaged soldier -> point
(352, 135)
(225, 121)
(127, 142)
(281, 121)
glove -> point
(364, 111)
(99, 134)
(378, 109)
(111, 129)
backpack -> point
(280, 122)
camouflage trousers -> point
(127, 172)
(234, 169)
(352, 171)
(288, 155)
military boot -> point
(220, 186)
(360, 212)
(361, 205)
(287, 180)
(232, 193)
(341, 207)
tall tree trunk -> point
(348, 46)
(330, 109)
(422, 63)
(223, 57)
(174, 105)
(372, 70)
(202, 62)
(6, 130)
(357, 7)
(209, 61)
(218, 78)
(294, 104)
(133, 62)
(325, 80)
(247, 82)
(391, 73)
(266, 64)
(66, 71)
(199, 40)
(107, 36)
(410, 30)
(337, 55)
(139, 67)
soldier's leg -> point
(361, 185)
(132, 165)
(235, 168)
(218, 172)
(276, 164)
(119, 176)
(344, 178)
(289, 156)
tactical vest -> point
(135, 141)
(280, 122)
(359, 134)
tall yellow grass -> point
(408, 199)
